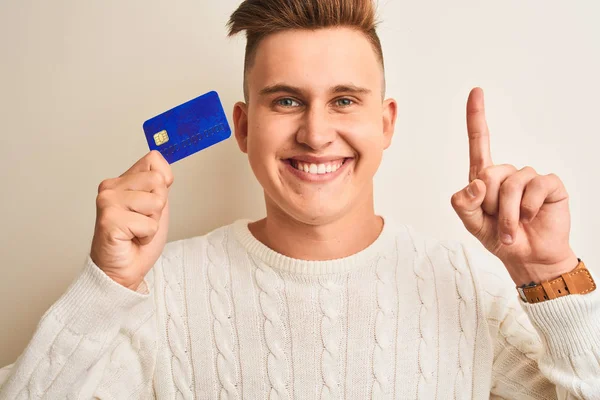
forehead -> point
(315, 60)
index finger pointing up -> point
(479, 135)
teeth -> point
(317, 169)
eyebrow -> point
(282, 88)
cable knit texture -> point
(177, 329)
(385, 324)
(222, 316)
(428, 323)
(274, 330)
(331, 302)
(222, 309)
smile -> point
(318, 169)
(317, 172)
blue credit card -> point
(188, 128)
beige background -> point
(78, 78)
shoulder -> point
(175, 250)
(189, 252)
(470, 267)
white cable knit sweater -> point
(224, 317)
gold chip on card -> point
(161, 137)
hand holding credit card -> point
(132, 210)
(188, 128)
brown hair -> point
(260, 18)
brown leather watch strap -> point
(578, 281)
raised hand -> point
(520, 216)
(132, 220)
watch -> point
(578, 281)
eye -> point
(344, 102)
(287, 102)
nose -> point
(316, 130)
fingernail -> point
(506, 238)
(471, 189)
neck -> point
(336, 238)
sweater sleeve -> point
(97, 340)
(548, 350)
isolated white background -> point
(78, 79)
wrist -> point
(578, 281)
(527, 274)
(129, 285)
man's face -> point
(315, 126)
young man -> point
(322, 299)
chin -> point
(315, 214)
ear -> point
(240, 122)
(390, 112)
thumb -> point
(467, 204)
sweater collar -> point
(384, 243)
